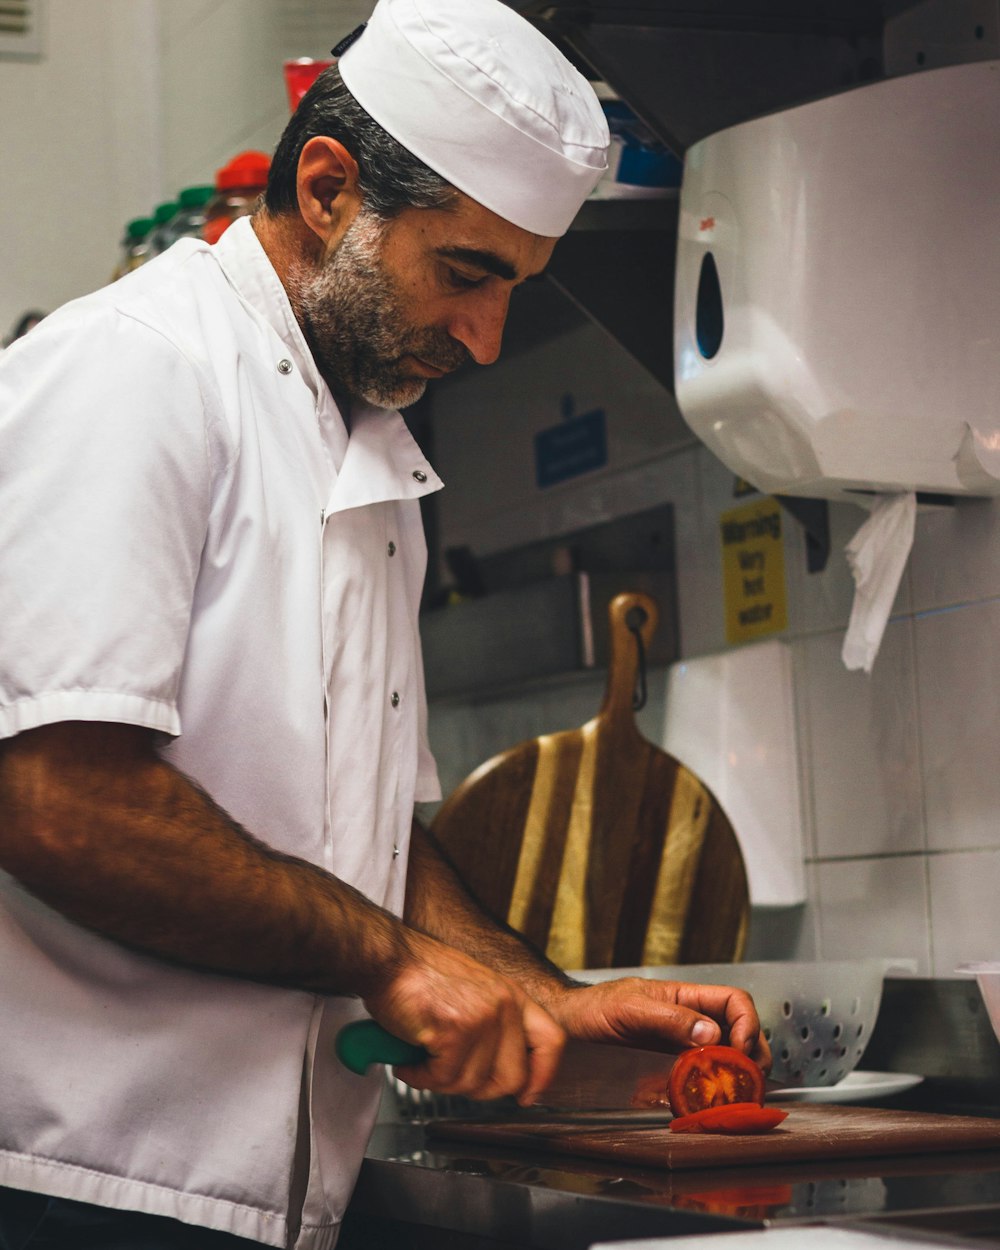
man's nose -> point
(479, 325)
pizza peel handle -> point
(633, 619)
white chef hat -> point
(473, 90)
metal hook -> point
(635, 618)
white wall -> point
(80, 150)
(900, 770)
(131, 101)
(222, 82)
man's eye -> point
(461, 281)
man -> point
(211, 687)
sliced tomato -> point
(733, 1117)
(710, 1076)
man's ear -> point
(327, 186)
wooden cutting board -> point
(811, 1131)
(598, 846)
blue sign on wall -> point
(577, 445)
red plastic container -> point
(237, 186)
(300, 76)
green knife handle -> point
(364, 1042)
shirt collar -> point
(246, 265)
(382, 460)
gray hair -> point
(390, 177)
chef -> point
(211, 695)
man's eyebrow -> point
(481, 259)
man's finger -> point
(730, 1006)
(546, 1041)
(512, 1066)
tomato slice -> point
(710, 1076)
(733, 1117)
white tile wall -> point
(964, 894)
(874, 907)
(703, 628)
(676, 477)
(958, 682)
(954, 554)
(863, 760)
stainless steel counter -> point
(452, 1196)
(413, 1195)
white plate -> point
(855, 1087)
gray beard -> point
(352, 315)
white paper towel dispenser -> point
(837, 299)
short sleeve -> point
(105, 489)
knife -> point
(592, 1076)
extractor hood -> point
(690, 68)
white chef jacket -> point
(191, 541)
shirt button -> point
(284, 366)
(394, 698)
(391, 549)
(419, 475)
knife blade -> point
(592, 1076)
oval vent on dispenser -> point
(708, 309)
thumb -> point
(682, 1027)
(671, 1026)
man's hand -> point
(486, 1038)
(631, 1011)
(661, 1015)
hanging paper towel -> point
(877, 555)
(730, 718)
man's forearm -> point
(131, 848)
(438, 903)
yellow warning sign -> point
(753, 570)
